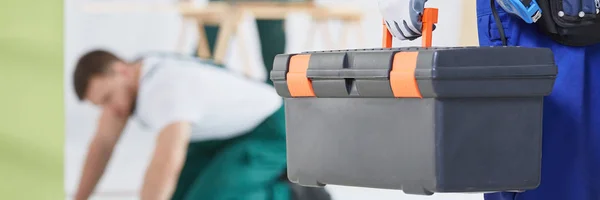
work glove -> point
(403, 17)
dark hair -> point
(91, 64)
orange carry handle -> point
(387, 37)
(429, 18)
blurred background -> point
(133, 27)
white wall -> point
(129, 34)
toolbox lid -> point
(416, 72)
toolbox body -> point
(422, 120)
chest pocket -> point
(571, 22)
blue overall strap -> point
(528, 10)
(571, 141)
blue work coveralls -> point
(571, 137)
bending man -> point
(221, 136)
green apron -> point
(247, 167)
(272, 40)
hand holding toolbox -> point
(419, 119)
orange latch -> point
(298, 83)
(402, 77)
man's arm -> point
(100, 150)
(168, 159)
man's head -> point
(107, 81)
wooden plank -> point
(212, 12)
(468, 34)
(203, 47)
(226, 32)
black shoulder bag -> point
(571, 22)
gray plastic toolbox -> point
(422, 120)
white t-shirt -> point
(219, 104)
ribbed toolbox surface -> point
(455, 120)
